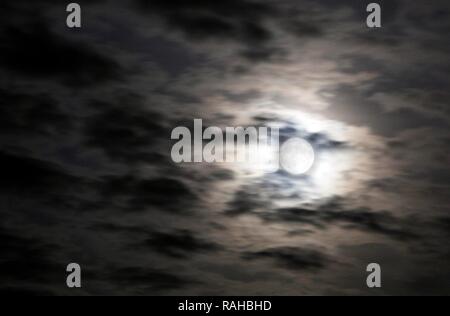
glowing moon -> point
(296, 156)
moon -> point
(296, 156)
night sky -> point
(86, 175)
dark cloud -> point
(433, 19)
(245, 201)
(321, 141)
(369, 221)
(292, 258)
(304, 29)
(358, 63)
(28, 114)
(139, 194)
(325, 215)
(146, 280)
(125, 132)
(385, 184)
(28, 176)
(171, 56)
(28, 184)
(39, 268)
(33, 50)
(232, 19)
(263, 54)
(242, 97)
(377, 222)
(242, 22)
(221, 175)
(435, 175)
(444, 224)
(116, 228)
(179, 244)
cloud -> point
(443, 223)
(146, 280)
(369, 221)
(241, 22)
(34, 51)
(139, 194)
(125, 132)
(292, 258)
(39, 268)
(324, 215)
(321, 141)
(242, 97)
(86, 118)
(33, 176)
(245, 201)
(347, 107)
(238, 20)
(33, 113)
(29, 184)
(116, 228)
(179, 244)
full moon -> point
(296, 156)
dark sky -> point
(86, 174)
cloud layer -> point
(86, 117)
